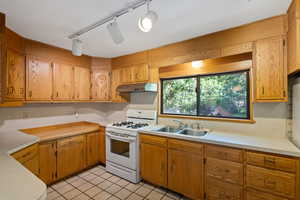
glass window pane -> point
(224, 95)
(119, 147)
(179, 96)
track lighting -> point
(115, 32)
(77, 47)
(146, 22)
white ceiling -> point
(51, 21)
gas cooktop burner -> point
(129, 124)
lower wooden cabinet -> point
(70, 155)
(92, 148)
(257, 195)
(102, 145)
(185, 173)
(153, 163)
(29, 158)
(218, 190)
(47, 152)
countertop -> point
(251, 142)
(18, 183)
(53, 132)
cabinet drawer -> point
(218, 190)
(155, 140)
(276, 182)
(26, 154)
(224, 153)
(256, 195)
(225, 170)
(186, 146)
(272, 162)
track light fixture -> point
(76, 47)
(146, 22)
(115, 32)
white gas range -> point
(122, 152)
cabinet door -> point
(115, 82)
(92, 148)
(185, 173)
(15, 76)
(102, 147)
(63, 76)
(126, 75)
(270, 70)
(82, 83)
(101, 85)
(141, 73)
(47, 155)
(39, 80)
(153, 163)
(70, 155)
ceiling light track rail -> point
(109, 18)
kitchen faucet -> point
(181, 124)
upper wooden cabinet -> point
(100, 85)
(293, 36)
(39, 80)
(63, 81)
(82, 79)
(134, 74)
(270, 73)
(14, 76)
(115, 82)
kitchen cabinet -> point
(14, 76)
(82, 84)
(38, 79)
(185, 169)
(102, 145)
(47, 154)
(29, 158)
(293, 37)
(63, 81)
(135, 74)
(270, 70)
(70, 155)
(115, 82)
(100, 85)
(92, 148)
(153, 160)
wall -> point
(33, 115)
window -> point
(223, 95)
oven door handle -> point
(120, 138)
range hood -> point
(138, 87)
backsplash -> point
(271, 118)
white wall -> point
(271, 118)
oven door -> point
(121, 150)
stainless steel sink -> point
(193, 132)
(170, 129)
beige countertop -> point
(18, 183)
(252, 142)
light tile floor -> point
(97, 184)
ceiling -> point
(51, 21)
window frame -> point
(197, 89)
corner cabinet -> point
(100, 90)
(47, 154)
(270, 70)
(39, 79)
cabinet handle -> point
(269, 161)
(284, 94)
(56, 94)
(30, 93)
(263, 90)
(270, 184)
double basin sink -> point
(184, 131)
